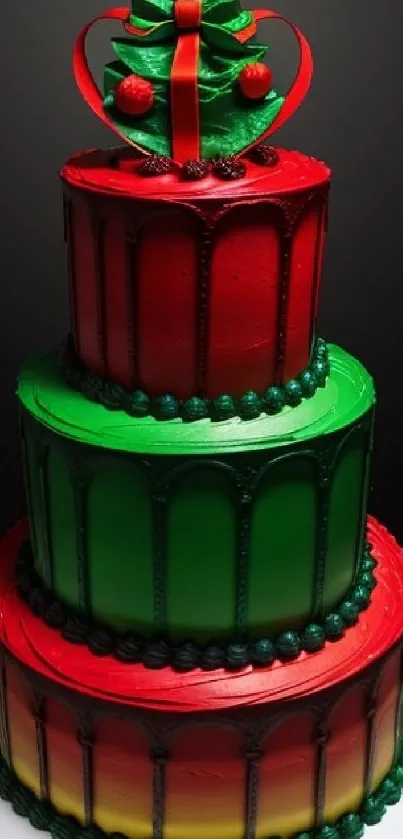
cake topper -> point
(188, 80)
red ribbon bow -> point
(184, 76)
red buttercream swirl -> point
(294, 171)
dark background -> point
(353, 119)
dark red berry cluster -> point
(264, 155)
(229, 168)
(155, 164)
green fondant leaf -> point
(152, 10)
(149, 60)
(239, 126)
(217, 38)
(226, 13)
(152, 131)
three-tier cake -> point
(201, 630)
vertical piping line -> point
(323, 493)
(41, 745)
(132, 306)
(253, 756)
(159, 758)
(322, 739)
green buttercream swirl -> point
(349, 393)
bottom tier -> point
(310, 746)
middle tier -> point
(200, 531)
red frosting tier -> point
(106, 743)
(199, 288)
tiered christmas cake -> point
(201, 632)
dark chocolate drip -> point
(316, 269)
(98, 228)
(243, 549)
(321, 532)
(4, 720)
(365, 491)
(43, 455)
(41, 745)
(80, 484)
(86, 741)
(69, 239)
(370, 713)
(253, 756)
(292, 209)
(159, 758)
(399, 711)
(205, 251)
(283, 302)
(132, 307)
(322, 739)
(27, 483)
(159, 504)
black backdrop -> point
(353, 119)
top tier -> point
(195, 289)
(195, 252)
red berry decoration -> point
(195, 170)
(255, 80)
(134, 96)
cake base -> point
(163, 754)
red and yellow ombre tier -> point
(216, 754)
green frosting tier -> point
(204, 530)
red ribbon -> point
(85, 80)
(302, 81)
(188, 14)
(184, 76)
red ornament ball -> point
(134, 96)
(255, 80)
